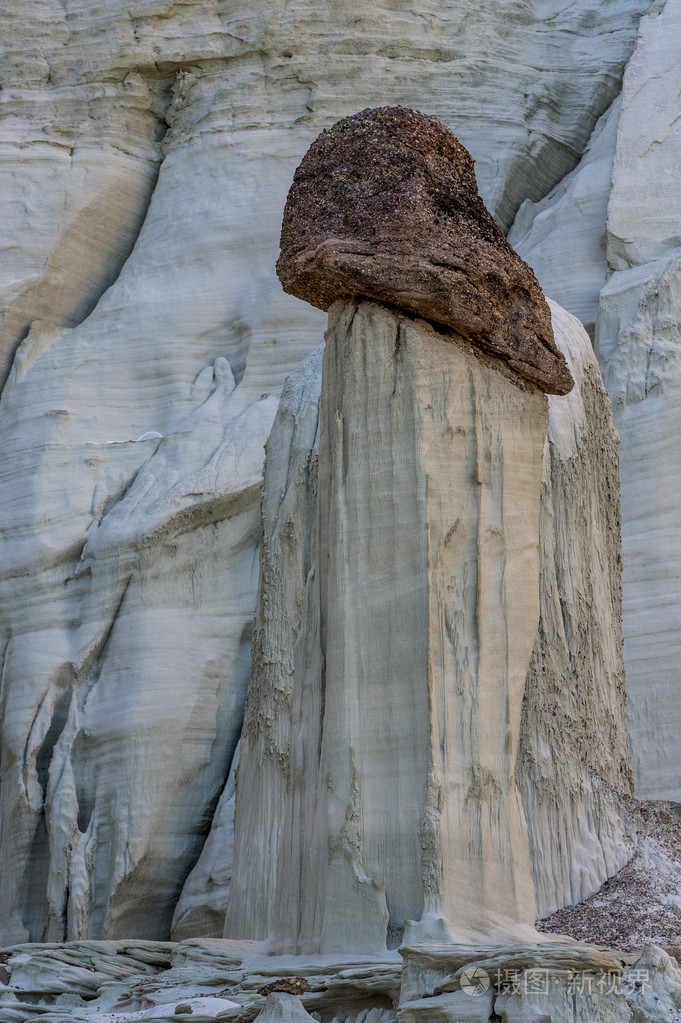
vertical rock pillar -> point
(422, 602)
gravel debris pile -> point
(642, 903)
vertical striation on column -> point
(416, 637)
(421, 602)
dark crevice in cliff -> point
(44, 757)
(34, 882)
(94, 663)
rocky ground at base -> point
(214, 979)
(625, 970)
(641, 903)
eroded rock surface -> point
(200, 910)
(606, 243)
(142, 620)
(638, 341)
(290, 527)
(640, 904)
(419, 617)
(385, 206)
(572, 806)
(562, 237)
(574, 765)
(145, 153)
(119, 982)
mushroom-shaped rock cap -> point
(385, 206)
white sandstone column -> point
(420, 617)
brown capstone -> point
(289, 985)
(385, 206)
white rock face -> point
(78, 165)
(653, 987)
(627, 178)
(575, 688)
(638, 346)
(289, 537)
(145, 152)
(539, 995)
(419, 617)
(201, 907)
(574, 767)
(119, 721)
(521, 983)
(643, 212)
(562, 237)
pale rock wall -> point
(643, 212)
(562, 237)
(98, 95)
(574, 766)
(146, 148)
(119, 720)
(419, 617)
(289, 538)
(200, 910)
(575, 687)
(639, 345)
(638, 341)
(607, 245)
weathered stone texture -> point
(146, 148)
(385, 206)
(572, 808)
(419, 618)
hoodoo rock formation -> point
(573, 764)
(366, 752)
(146, 149)
(419, 614)
(385, 206)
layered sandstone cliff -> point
(605, 244)
(145, 153)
